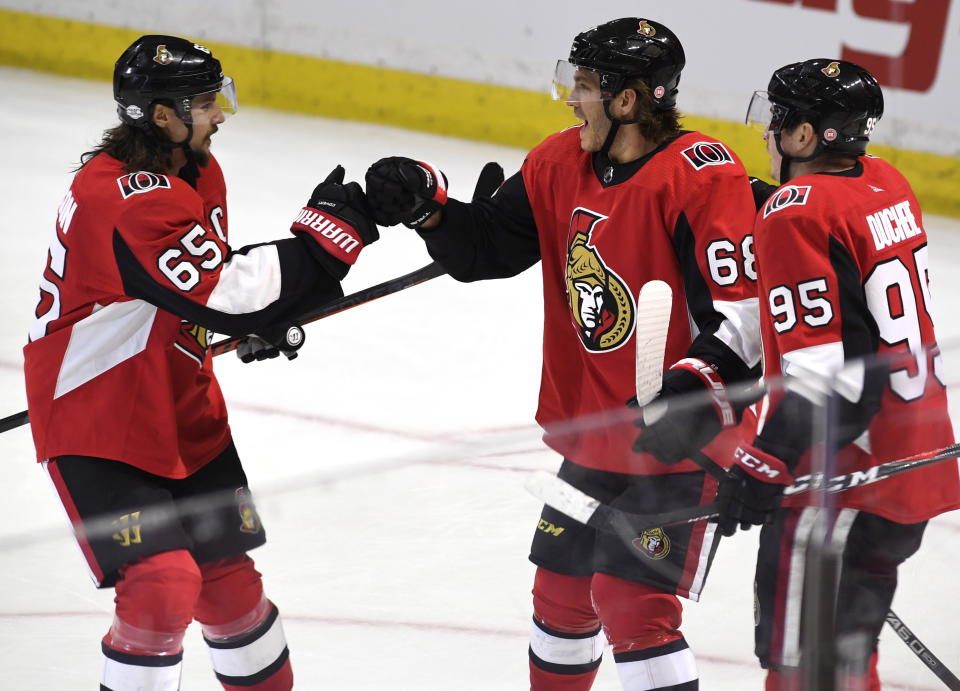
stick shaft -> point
(361, 297)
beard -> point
(202, 157)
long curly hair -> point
(138, 149)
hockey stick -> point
(653, 315)
(923, 652)
(653, 320)
(569, 500)
(361, 297)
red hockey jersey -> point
(117, 365)
(683, 215)
(843, 262)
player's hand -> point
(337, 218)
(273, 341)
(685, 417)
(401, 190)
(752, 490)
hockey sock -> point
(566, 643)
(254, 659)
(670, 666)
(155, 597)
(242, 629)
(642, 624)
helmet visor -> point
(763, 114)
(203, 107)
(576, 84)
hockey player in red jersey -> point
(126, 413)
(843, 262)
(624, 198)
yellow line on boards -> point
(429, 103)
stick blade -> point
(561, 496)
(653, 320)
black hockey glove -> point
(401, 190)
(338, 219)
(761, 191)
(675, 425)
(272, 342)
(489, 181)
(752, 490)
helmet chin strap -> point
(614, 128)
(185, 143)
(786, 159)
(611, 136)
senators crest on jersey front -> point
(601, 304)
(682, 214)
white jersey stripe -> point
(740, 330)
(247, 282)
(103, 340)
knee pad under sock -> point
(642, 624)
(566, 643)
(154, 604)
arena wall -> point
(482, 70)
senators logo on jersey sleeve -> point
(141, 182)
(788, 195)
(707, 154)
(600, 302)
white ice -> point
(388, 460)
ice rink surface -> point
(388, 460)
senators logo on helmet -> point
(163, 56)
(832, 70)
(646, 29)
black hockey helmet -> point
(842, 101)
(628, 48)
(170, 70)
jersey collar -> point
(609, 173)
